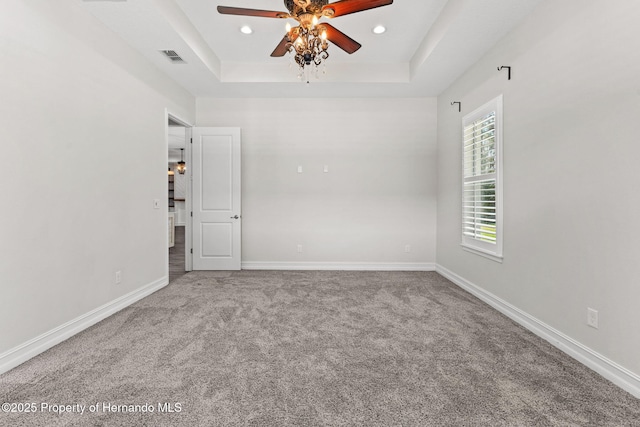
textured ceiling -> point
(428, 44)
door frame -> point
(188, 258)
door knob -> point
(235, 217)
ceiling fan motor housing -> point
(300, 6)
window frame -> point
(486, 249)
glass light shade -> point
(182, 167)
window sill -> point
(489, 255)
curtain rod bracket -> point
(508, 69)
(459, 105)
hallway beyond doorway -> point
(176, 255)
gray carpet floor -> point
(255, 348)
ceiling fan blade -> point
(345, 7)
(281, 49)
(340, 39)
(226, 10)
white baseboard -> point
(615, 373)
(339, 266)
(20, 354)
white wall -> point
(378, 196)
(82, 128)
(179, 182)
(571, 153)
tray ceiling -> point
(427, 45)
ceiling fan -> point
(309, 39)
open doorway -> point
(204, 199)
(178, 191)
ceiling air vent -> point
(173, 56)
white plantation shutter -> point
(481, 201)
(479, 210)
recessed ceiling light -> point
(379, 29)
(246, 30)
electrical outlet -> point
(407, 248)
(118, 277)
(592, 318)
(299, 248)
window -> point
(481, 192)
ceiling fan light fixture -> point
(379, 29)
(308, 46)
(245, 29)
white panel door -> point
(216, 199)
